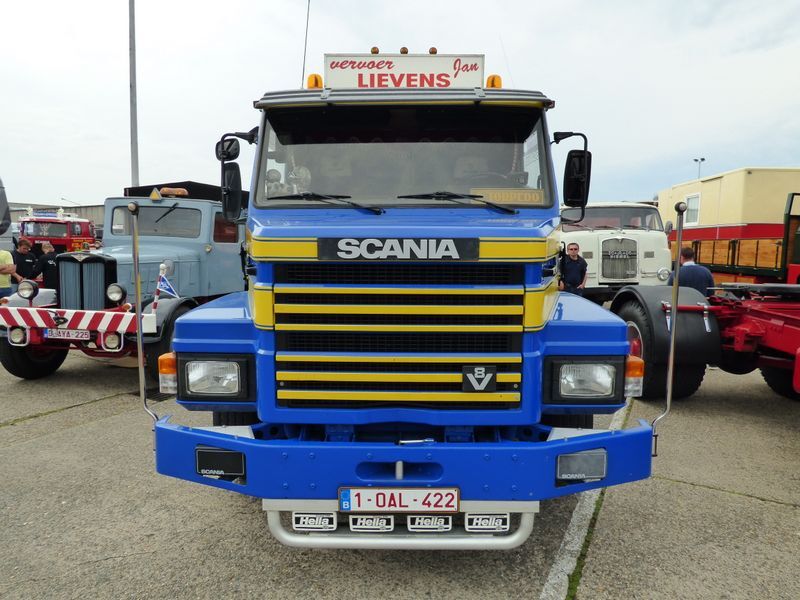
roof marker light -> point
(314, 81)
(432, 50)
(403, 50)
(494, 81)
(374, 50)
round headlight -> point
(17, 335)
(116, 293)
(111, 341)
(27, 289)
(663, 274)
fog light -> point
(17, 336)
(27, 289)
(663, 274)
(487, 522)
(303, 521)
(376, 523)
(112, 341)
(116, 293)
(589, 465)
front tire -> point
(31, 362)
(780, 381)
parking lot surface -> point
(85, 515)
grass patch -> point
(575, 576)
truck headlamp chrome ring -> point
(663, 274)
(116, 293)
(27, 289)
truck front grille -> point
(370, 335)
(619, 258)
(81, 285)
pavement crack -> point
(46, 413)
(99, 560)
(727, 491)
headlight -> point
(587, 380)
(27, 289)
(663, 274)
(116, 293)
(212, 377)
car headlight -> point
(213, 377)
(27, 289)
(587, 380)
(663, 274)
(116, 293)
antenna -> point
(305, 45)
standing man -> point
(46, 267)
(25, 261)
(7, 269)
(693, 275)
(573, 271)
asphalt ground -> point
(84, 515)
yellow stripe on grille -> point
(539, 305)
(490, 249)
(381, 377)
(262, 307)
(466, 359)
(399, 396)
(488, 291)
(408, 328)
(399, 309)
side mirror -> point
(668, 227)
(227, 149)
(231, 191)
(577, 174)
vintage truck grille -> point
(619, 258)
(353, 336)
(82, 281)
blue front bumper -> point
(507, 471)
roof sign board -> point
(345, 71)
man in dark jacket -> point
(693, 275)
(46, 267)
(25, 261)
(573, 271)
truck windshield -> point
(179, 222)
(614, 217)
(373, 154)
(44, 229)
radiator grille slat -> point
(93, 286)
(69, 285)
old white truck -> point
(623, 243)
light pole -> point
(699, 162)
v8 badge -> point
(479, 379)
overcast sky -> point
(652, 83)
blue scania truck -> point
(402, 371)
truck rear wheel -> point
(780, 381)
(31, 362)
(235, 418)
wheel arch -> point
(694, 345)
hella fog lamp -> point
(587, 380)
(663, 274)
(27, 289)
(111, 341)
(17, 336)
(212, 377)
(116, 293)
(589, 465)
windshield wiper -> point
(327, 199)
(454, 197)
(166, 212)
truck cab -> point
(65, 231)
(623, 243)
(402, 371)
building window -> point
(693, 209)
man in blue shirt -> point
(693, 275)
(573, 271)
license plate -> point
(399, 500)
(66, 334)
